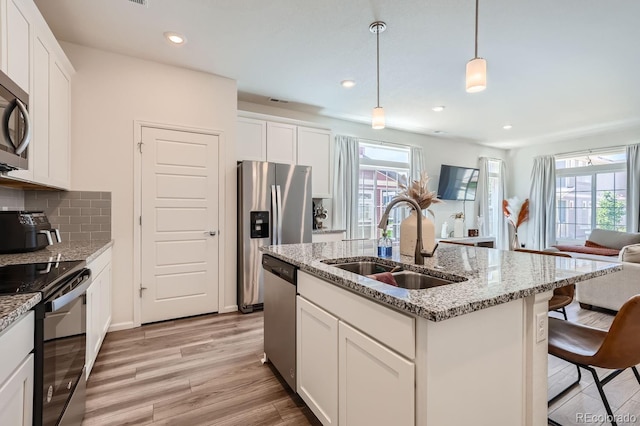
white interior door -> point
(179, 224)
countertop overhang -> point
(493, 276)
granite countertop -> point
(13, 306)
(67, 250)
(490, 277)
(328, 231)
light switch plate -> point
(542, 320)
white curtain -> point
(490, 208)
(345, 185)
(417, 162)
(633, 188)
(542, 203)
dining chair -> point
(587, 347)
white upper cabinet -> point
(16, 51)
(276, 142)
(251, 139)
(281, 143)
(32, 58)
(314, 149)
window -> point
(493, 222)
(382, 169)
(591, 192)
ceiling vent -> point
(144, 3)
(278, 101)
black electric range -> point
(36, 277)
(59, 336)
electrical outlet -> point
(542, 319)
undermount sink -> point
(410, 280)
(364, 268)
(417, 281)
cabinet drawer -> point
(386, 325)
(18, 337)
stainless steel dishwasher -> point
(280, 317)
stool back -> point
(621, 347)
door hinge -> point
(140, 147)
(140, 220)
(141, 290)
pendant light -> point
(476, 68)
(377, 120)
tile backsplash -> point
(11, 199)
(79, 215)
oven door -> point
(64, 350)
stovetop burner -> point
(34, 277)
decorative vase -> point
(513, 238)
(458, 228)
(409, 234)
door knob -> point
(213, 233)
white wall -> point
(437, 151)
(109, 92)
(521, 160)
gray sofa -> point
(611, 291)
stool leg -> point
(564, 313)
(635, 371)
(602, 395)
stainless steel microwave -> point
(16, 125)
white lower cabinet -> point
(376, 385)
(16, 373)
(98, 307)
(317, 361)
(345, 376)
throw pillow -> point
(630, 253)
(592, 244)
(588, 250)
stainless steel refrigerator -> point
(274, 207)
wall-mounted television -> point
(457, 183)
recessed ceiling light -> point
(507, 126)
(438, 108)
(175, 38)
(348, 83)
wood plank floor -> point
(197, 371)
(206, 371)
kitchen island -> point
(470, 352)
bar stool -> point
(562, 296)
(588, 347)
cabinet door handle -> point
(213, 233)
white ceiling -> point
(556, 68)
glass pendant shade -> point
(377, 121)
(476, 75)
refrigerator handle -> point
(279, 218)
(274, 216)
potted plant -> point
(418, 190)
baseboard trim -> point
(227, 309)
(121, 326)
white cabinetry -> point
(314, 149)
(251, 143)
(281, 143)
(317, 361)
(260, 140)
(98, 306)
(376, 385)
(374, 380)
(40, 66)
(266, 140)
(16, 50)
(16, 373)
